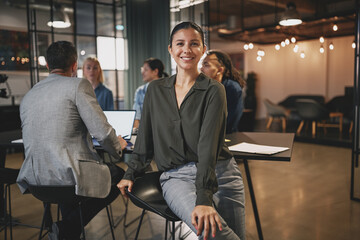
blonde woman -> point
(92, 71)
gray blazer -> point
(59, 115)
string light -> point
(353, 45)
(283, 44)
(293, 40)
(322, 49)
(321, 39)
(277, 47)
(302, 54)
(258, 58)
(251, 46)
(296, 48)
(331, 46)
(335, 27)
(287, 41)
(261, 53)
(246, 46)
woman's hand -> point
(123, 142)
(123, 184)
(204, 217)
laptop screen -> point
(122, 121)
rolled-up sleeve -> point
(210, 144)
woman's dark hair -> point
(155, 63)
(61, 55)
(187, 25)
(230, 71)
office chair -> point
(8, 176)
(60, 195)
(147, 194)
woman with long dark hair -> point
(218, 66)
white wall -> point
(283, 72)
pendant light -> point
(290, 17)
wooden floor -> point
(307, 198)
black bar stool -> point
(8, 176)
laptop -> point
(122, 121)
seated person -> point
(151, 70)
(183, 129)
(218, 66)
(92, 71)
(59, 115)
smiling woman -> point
(182, 128)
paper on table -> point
(256, 148)
(17, 141)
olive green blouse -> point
(193, 133)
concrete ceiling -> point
(257, 20)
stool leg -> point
(110, 223)
(5, 212)
(166, 229)
(46, 210)
(82, 221)
(10, 216)
(138, 229)
(173, 230)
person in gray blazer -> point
(59, 115)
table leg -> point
(253, 200)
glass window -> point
(120, 54)
(106, 52)
(14, 51)
(85, 21)
(41, 16)
(86, 48)
(110, 80)
(105, 20)
(44, 40)
(64, 37)
(120, 22)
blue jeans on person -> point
(229, 201)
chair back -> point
(55, 194)
(309, 109)
(147, 194)
(274, 110)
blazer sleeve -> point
(95, 120)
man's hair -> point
(61, 55)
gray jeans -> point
(229, 201)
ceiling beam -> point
(302, 6)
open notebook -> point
(122, 121)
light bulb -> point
(283, 44)
(258, 58)
(335, 27)
(277, 47)
(251, 46)
(246, 46)
(331, 46)
(296, 48)
(302, 55)
(293, 40)
(353, 45)
(261, 53)
(321, 39)
(287, 41)
(322, 50)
